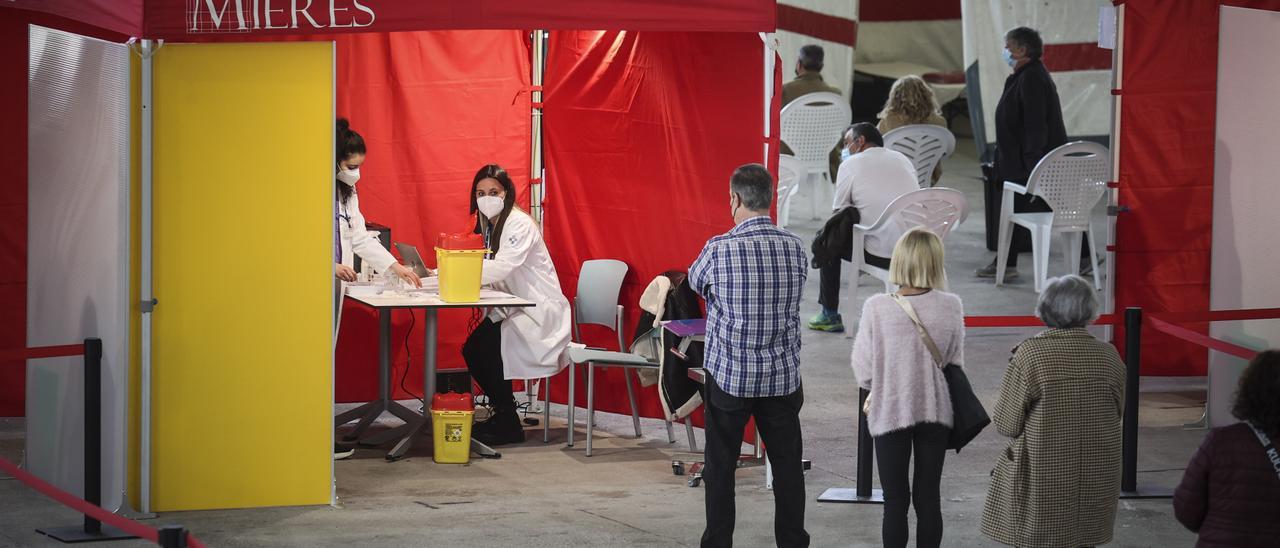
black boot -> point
(502, 428)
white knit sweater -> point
(889, 358)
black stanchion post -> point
(92, 430)
(1129, 435)
(862, 493)
(93, 530)
(865, 457)
(173, 536)
(1132, 366)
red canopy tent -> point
(642, 128)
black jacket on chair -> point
(833, 242)
(1028, 122)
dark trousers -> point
(829, 279)
(483, 354)
(922, 490)
(778, 419)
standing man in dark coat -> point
(1028, 125)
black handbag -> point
(968, 415)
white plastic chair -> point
(790, 172)
(938, 210)
(1071, 179)
(596, 303)
(811, 125)
(925, 144)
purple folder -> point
(687, 328)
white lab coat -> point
(533, 339)
(358, 241)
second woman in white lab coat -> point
(350, 237)
(513, 343)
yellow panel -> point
(243, 333)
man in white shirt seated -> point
(870, 177)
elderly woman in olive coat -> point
(1056, 483)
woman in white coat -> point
(349, 235)
(513, 343)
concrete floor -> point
(550, 495)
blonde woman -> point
(911, 102)
(909, 407)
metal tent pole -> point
(148, 300)
(537, 189)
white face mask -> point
(348, 177)
(490, 206)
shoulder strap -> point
(924, 333)
(1272, 454)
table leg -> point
(376, 408)
(422, 423)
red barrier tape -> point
(1202, 340)
(75, 503)
(80, 505)
(1221, 315)
(1026, 321)
(43, 352)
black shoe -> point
(501, 429)
(989, 271)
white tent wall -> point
(1085, 94)
(1244, 199)
(77, 251)
(934, 44)
(838, 69)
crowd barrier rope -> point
(117, 526)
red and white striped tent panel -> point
(1081, 70)
(920, 32)
(832, 24)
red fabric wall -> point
(13, 192)
(1167, 123)
(642, 133)
(433, 107)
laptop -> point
(412, 259)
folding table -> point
(427, 299)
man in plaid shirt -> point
(751, 278)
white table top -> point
(429, 297)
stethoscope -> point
(342, 214)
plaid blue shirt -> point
(751, 278)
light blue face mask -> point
(845, 154)
(1008, 57)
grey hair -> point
(1067, 302)
(1027, 38)
(754, 184)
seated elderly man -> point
(1057, 481)
(870, 178)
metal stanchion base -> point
(849, 495)
(1148, 492)
(77, 534)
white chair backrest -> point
(1071, 179)
(812, 124)
(937, 209)
(599, 284)
(790, 172)
(925, 144)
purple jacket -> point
(1230, 493)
